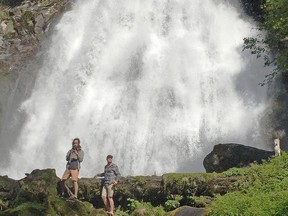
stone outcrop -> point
(225, 156)
(36, 194)
(8, 191)
(23, 27)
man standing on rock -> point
(111, 177)
(73, 157)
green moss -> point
(189, 184)
(137, 208)
(140, 180)
(9, 30)
(200, 202)
(26, 209)
(3, 13)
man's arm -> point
(117, 173)
(100, 174)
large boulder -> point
(188, 210)
(37, 195)
(225, 156)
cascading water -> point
(153, 83)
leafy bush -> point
(137, 208)
(272, 45)
(171, 205)
(263, 190)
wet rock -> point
(188, 211)
(8, 188)
(225, 156)
(37, 195)
(40, 24)
(27, 23)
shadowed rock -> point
(187, 210)
(225, 156)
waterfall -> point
(154, 83)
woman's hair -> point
(78, 147)
(77, 140)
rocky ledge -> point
(36, 194)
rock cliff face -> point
(23, 27)
(225, 156)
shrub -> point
(171, 205)
(263, 191)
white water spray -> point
(150, 82)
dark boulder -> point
(187, 211)
(225, 156)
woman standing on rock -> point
(73, 157)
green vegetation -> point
(144, 208)
(171, 205)
(274, 43)
(262, 190)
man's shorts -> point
(107, 190)
(71, 173)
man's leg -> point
(110, 198)
(74, 174)
(104, 198)
(111, 203)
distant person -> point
(111, 177)
(73, 157)
(277, 149)
(278, 134)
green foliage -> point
(28, 208)
(263, 190)
(199, 202)
(133, 204)
(274, 44)
(187, 184)
(144, 209)
(188, 201)
(235, 172)
(171, 205)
